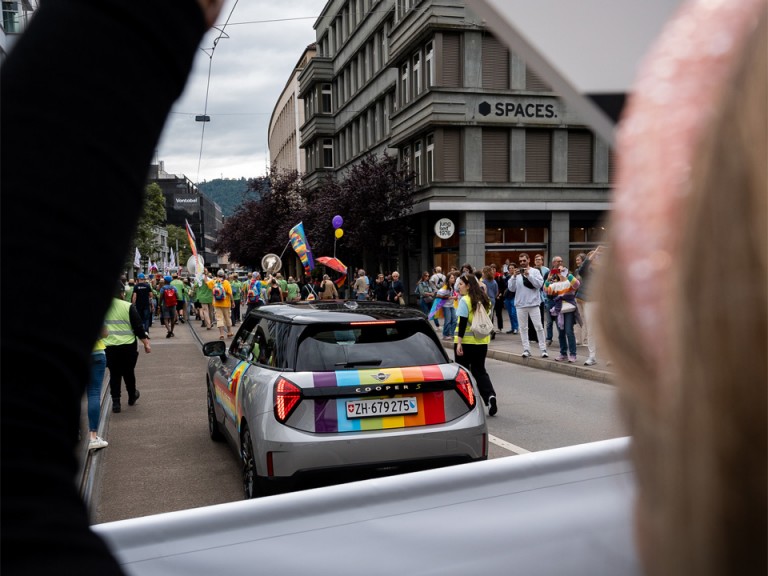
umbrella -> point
(333, 263)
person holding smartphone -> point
(528, 284)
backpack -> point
(169, 297)
(252, 296)
(482, 325)
(218, 292)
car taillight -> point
(287, 397)
(464, 386)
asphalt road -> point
(161, 459)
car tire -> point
(213, 425)
(251, 485)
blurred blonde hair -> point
(698, 421)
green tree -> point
(152, 216)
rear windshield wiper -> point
(353, 363)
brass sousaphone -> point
(271, 263)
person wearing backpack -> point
(222, 303)
(253, 294)
(169, 298)
(470, 348)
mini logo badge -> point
(484, 108)
(381, 376)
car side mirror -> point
(216, 348)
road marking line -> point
(507, 445)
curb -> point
(547, 364)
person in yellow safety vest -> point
(125, 328)
(470, 350)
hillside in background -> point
(228, 193)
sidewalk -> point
(509, 348)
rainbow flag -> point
(301, 246)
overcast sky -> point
(251, 64)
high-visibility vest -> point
(118, 323)
(469, 337)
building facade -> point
(185, 203)
(502, 166)
(288, 114)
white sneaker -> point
(97, 443)
(590, 362)
(544, 354)
(526, 354)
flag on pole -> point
(191, 238)
(172, 261)
(301, 246)
(137, 259)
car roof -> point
(338, 311)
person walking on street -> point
(169, 299)
(222, 303)
(509, 298)
(181, 292)
(204, 296)
(380, 288)
(142, 299)
(426, 294)
(328, 289)
(125, 329)
(450, 297)
(253, 296)
(588, 267)
(528, 284)
(396, 290)
(361, 285)
(235, 284)
(470, 349)
(93, 391)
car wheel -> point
(213, 425)
(250, 481)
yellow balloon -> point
(339, 232)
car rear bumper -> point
(302, 457)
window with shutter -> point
(538, 156)
(495, 64)
(579, 156)
(495, 155)
(451, 61)
(451, 156)
(533, 82)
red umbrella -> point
(333, 263)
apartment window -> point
(430, 158)
(417, 162)
(538, 156)
(416, 74)
(404, 72)
(451, 67)
(326, 98)
(495, 155)
(533, 82)
(376, 52)
(353, 77)
(579, 156)
(495, 64)
(451, 155)
(405, 159)
(327, 152)
(429, 64)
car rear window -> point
(326, 347)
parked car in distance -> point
(317, 393)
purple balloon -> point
(337, 221)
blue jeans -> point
(146, 318)
(93, 391)
(566, 336)
(449, 320)
(509, 304)
(548, 318)
(426, 307)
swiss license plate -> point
(378, 407)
